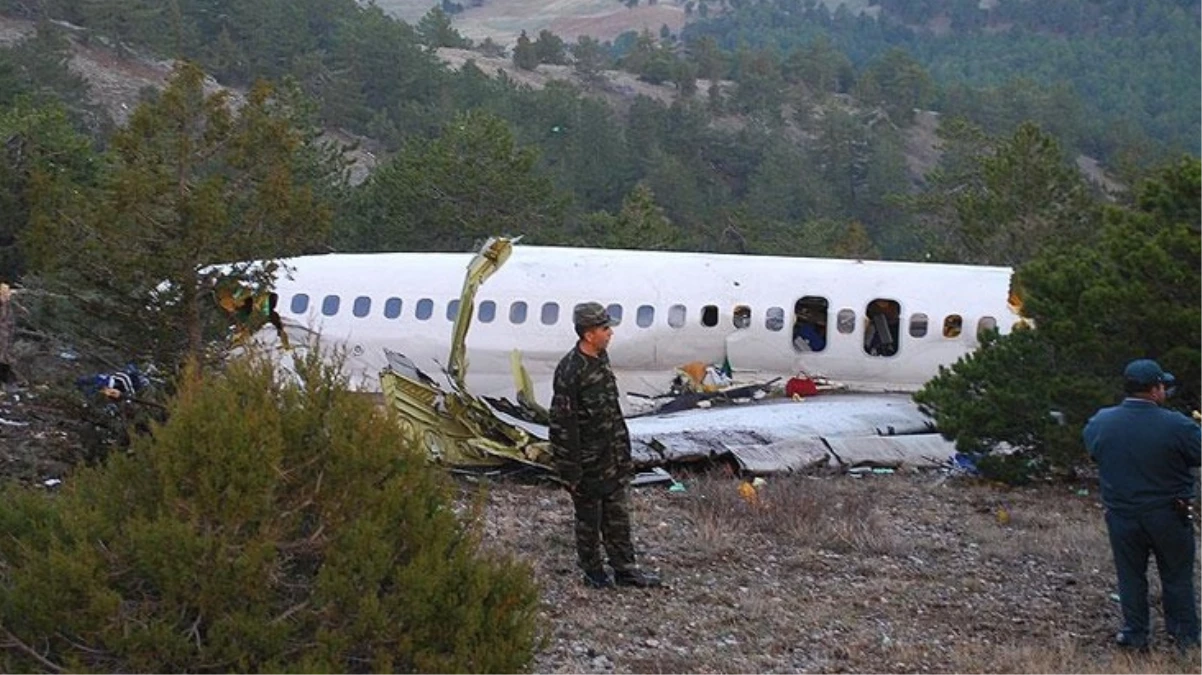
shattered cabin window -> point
(392, 308)
(709, 316)
(361, 307)
(452, 310)
(918, 325)
(645, 316)
(329, 305)
(774, 319)
(676, 316)
(517, 312)
(424, 309)
(550, 313)
(300, 303)
(742, 317)
(487, 311)
(809, 323)
(881, 334)
(952, 326)
(986, 324)
(845, 322)
(615, 313)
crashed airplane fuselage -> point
(871, 326)
(874, 326)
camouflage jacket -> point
(588, 433)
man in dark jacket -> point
(1144, 455)
(592, 452)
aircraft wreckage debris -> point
(839, 431)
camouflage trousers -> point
(604, 519)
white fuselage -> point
(675, 307)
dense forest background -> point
(786, 130)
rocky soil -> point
(916, 572)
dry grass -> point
(804, 512)
(902, 573)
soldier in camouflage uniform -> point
(592, 451)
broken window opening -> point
(392, 308)
(300, 303)
(361, 307)
(645, 316)
(985, 325)
(329, 305)
(487, 311)
(881, 329)
(452, 309)
(517, 312)
(550, 313)
(676, 316)
(918, 325)
(952, 326)
(709, 316)
(742, 317)
(774, 319)
(615, 314)
(809, 323)
(424, 309)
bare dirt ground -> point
(504, 20)
(901, 573)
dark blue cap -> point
(1146, 372)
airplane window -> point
(809, 324)
(952, 326)
(676, 316)
(881, 331)
(986, 324)
(918, 325)
(645, 316)
(774, 318)
(424, 309)
(550, 313)
(742, 317)
(300, 303)
(709, 316)
(517, 312)
(361, 307)
(329, 305)
(845, 321)
(615, 313)
(392, 308)
(452, 310)
(487, 311)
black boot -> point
(637, 578)
(597, 579)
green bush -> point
(271, 524)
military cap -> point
(591, 314)
(1145, 372)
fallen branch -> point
(15, 641)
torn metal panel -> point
(492, 255)
(656, 476)
(691, 446)
(455, 428)
(919, 450)
(795, 455)
(829, 415)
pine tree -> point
(192, 184)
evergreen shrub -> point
(270, 524)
